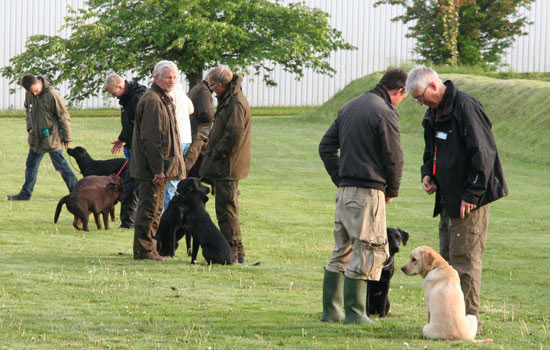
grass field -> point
(63, 288)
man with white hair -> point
(462, 167)
(157, 156)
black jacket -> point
(367, 133)
(467, 164)
(129, 101)
(203, 116)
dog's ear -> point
(428, 260)
(204, 197)
(404, 236)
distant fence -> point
(380, 43)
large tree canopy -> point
(129, 35)
(468, 32)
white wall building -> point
(379, 43)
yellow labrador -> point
(447, 318)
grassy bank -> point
(63, 288)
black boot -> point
(333, 292)
(355, 301)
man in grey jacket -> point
(49, 131)
(367, 173)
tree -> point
(129, 35)
(477, 32)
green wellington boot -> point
(333, 293)
(355, 301)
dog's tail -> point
(59, 207)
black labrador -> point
(377, 291)
(89, 166)
(173, 224)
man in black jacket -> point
(368, 174)
(461, 165)
(201, 122)
(128, 94)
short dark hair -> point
(394, 79)
(28, 80)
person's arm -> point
(392, 153)
(328, 151)
(233, 130)
(151, 135)
(63, 118)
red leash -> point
(123, 165)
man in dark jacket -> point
(156, 156)
(201, 122)
(49, 131)
(367, 173)
(227, 157)
(128, 93)
(461, 165)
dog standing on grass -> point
(89, 166)
(447, 318)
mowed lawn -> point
(63, 288)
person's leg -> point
(147, 218)
(129, 197)
(444, 235)
(467, 244)
(173, 184)
(227, 212)
(61, 165)
(31, 172)
(193, 154)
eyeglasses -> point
(210, 85)
(420, 99)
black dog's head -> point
(396, 236)
(192, 184)
(77, 152)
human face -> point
(218, 88)
(420, 98)
(36, 89)
(167, 80)
(117, 91)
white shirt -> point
(184, 107)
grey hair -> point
(165, 64)
(420, 77)
(220, 74)
(113, 80)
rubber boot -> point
(355, 301)
(333, 295)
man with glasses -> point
(367, 172)
(462, 167)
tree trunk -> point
(193, 78)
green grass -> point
(63, 288)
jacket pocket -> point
(50, 142)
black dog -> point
(377, 291)
(215, 248)
(173, 223)
(89, 166)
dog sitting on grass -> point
(88, 200)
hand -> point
(66, 144)
(466, 208)
(388, 199)
(428, 184)
(117, 146)
(30, 131)
(159, 178)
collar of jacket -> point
(232, 90)
(379, 90)
(164, 97)
(46, 84)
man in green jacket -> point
(49, 130)
(227, 157)
(156, 156)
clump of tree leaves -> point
(463, 32)
(129, 35)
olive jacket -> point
(156, 143)
(201, 119)
(48, 118)
(228, 152)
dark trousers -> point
(462, 243)
(192, 157)
(227, 212)
(129, 200)
(33, 164)
(150, 205)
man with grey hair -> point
(227, 156)
(157, 156)
(462, 167)
(128, 94)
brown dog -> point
(447, 318)
(90, 200)
(99, 181)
